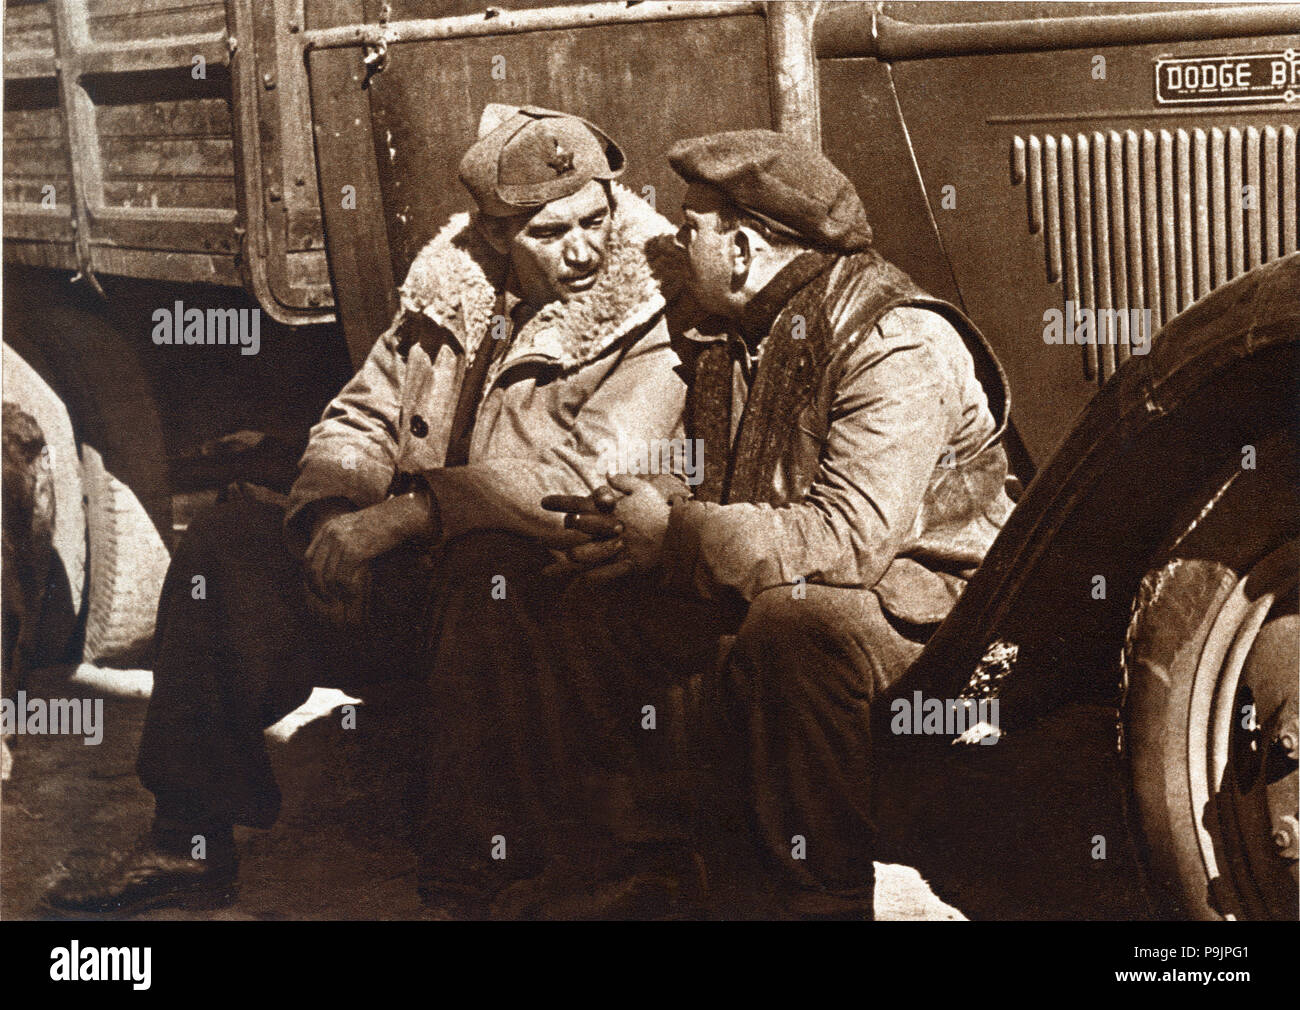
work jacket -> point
(578, 377)
(851, 434)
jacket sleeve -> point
(888, 428)
(351, 454)
(639, 397)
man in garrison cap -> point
(853, 479)
(530, 337)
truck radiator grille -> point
(1155, 219)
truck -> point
(281, 163)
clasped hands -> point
(625, 522)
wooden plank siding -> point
(130, 20)
(148, 179)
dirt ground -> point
(1006, 835)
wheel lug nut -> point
(1284, 837)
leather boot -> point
(159, 871)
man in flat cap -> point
(853, 480)
(531, 336)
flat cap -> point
(786, 184)
(525, 157)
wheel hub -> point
(1248, 676)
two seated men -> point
(644, 688)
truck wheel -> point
(128, 562)
(92, 369)
(1210, 662)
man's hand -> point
(626, 520)
(644, 515)
(342, 547)
(590, 515)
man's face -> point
(560, 251)
(708, 250)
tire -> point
(128, 562)
(1210, 695)
(92, 369)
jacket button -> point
(419, 428)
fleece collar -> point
(451, 282)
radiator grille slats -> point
(1201, 203)
(1103, 354)
(1236, 224)
(1254, 230)
(1155, 219)
(1269, 194)
(1287, 169)
(1133, 237)
(1052, 208)
(1087, 278)
(1119, 242)
(1183, 183)
(1069, 222)
(1168, 218)
(1218, 206)
(1151, 222)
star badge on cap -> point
(526, 157)
(561, 161)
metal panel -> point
(1159, 220)
(849, 30)
(278, 195)
(864, 135)
(603, 73)
(359, 258)
(964, 113)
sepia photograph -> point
(650, 460)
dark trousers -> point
(753, 745)
(467, 624)
(558, 722)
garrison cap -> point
(785, 184)
(525, 157)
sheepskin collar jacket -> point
(455, 281)
(576, 377)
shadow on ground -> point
(337, 852)
(998, 832)
(1032, 827)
